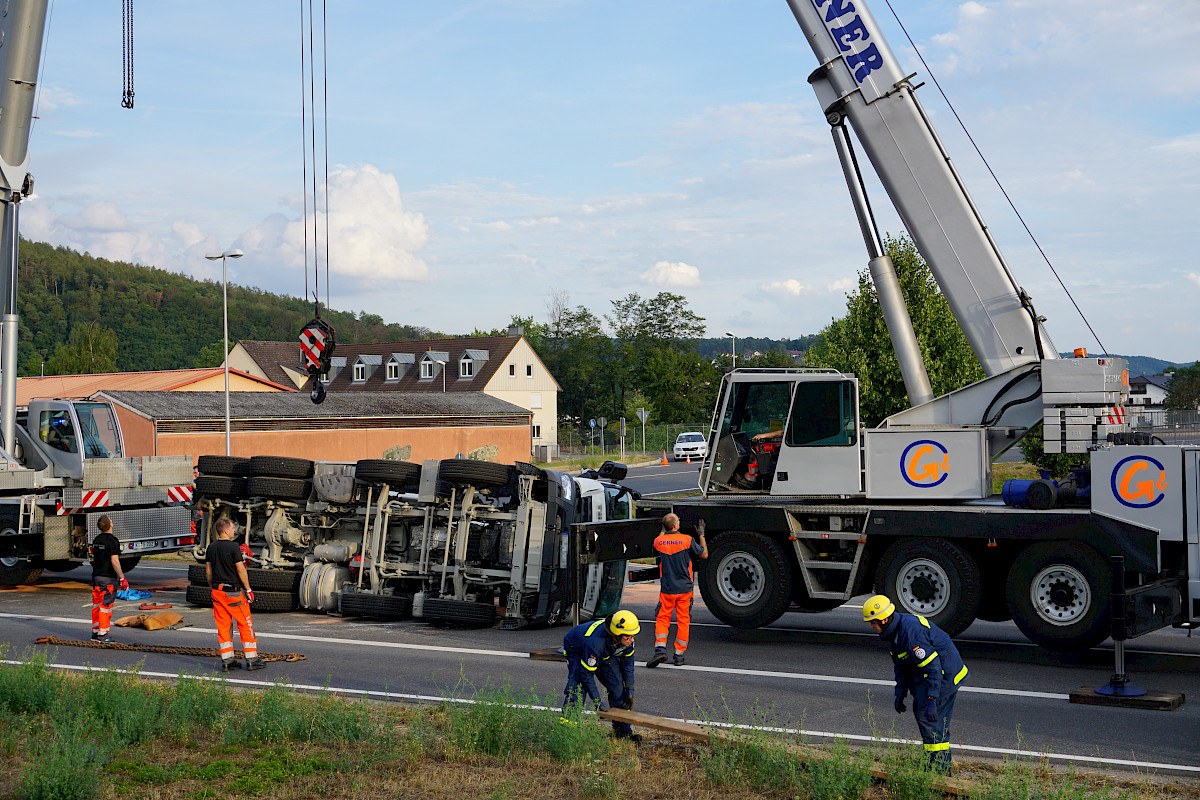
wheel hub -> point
(741, 580)
(923, 587)
(1060, 595)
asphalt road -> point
(822, 674)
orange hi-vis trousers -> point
(103, 598)
(230, 606)
(681, 605)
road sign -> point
(643, 414)
(592, 423)
(602, 422)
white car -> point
(692, 444)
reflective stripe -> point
(962, 673)
(932, 656)
(585, 666)
(924, 621)
(593, 627)
(901, 655)
(933, 748)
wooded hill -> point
(163, 320)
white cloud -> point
(1193, 277)
(790, 286)
(672, 275)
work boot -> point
(255, 663)
(659, 657)
(230, 664)
(105, 639)
(678, 660)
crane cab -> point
(65, 433)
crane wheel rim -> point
(915, 570)
(728, 567)
(1060, 577)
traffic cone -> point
(689, 459)
(664, 462)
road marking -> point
(800, 676)
(386, 695)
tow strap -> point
(204, 652)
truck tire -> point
(382, 470)
(382, 606)
(1059, 595)
(18, 571)
(267, 580)
(747, 580)
(129, 562)
(230, 466)
(475, 473)
(220, 486)
(277, 488)
(459, 612)
(264, 602)
(933, 578)
(280, 467)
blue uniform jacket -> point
(589, 648)
(923, 656)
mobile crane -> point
(62, 463)
(807, 508)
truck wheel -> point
(129, 562)
(320, 584)
(197, 575)
(230, 466)
(933, 578)
(280, 467)
(382, 470)
(277, 488)
(266, 580)
(475, 473)
(1059, 595)
(220, 486)
(747, 581)
(361, 604)
(264, 602)
(18, 571)
(459, 612)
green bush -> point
(276, 715)
(125, 708)
(66, 766)
(193, 701)
(30, 687)
(909, 776)
(843, 774)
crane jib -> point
(852, 36)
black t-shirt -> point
(224, 555)
(104, 547)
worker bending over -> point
(927, 664)
(603, 649)
(675, 551)
(231, 597)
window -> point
(466, 368)
(537, 431)
(512, 370)
(535, 399)
(823, 415)
(529, 370)
(360, 373)
(393, 373)
(427, 370)
(57, 431)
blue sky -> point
(484, 154)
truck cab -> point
(66, 433)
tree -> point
(1183, 392)
(210, 355)
(91, 349)
(859, 342)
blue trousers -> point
(935, 735)
(609, 677)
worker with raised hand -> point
(603, 649)
(676, 551)
(928, 665)
(106, 575)
(231, 596)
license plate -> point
(148, 545)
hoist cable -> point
(37, 100)
(127, 53)
(1003, 191)
(304, 149)
(312, 67)
(325, 111)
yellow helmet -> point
(878, 607)
(623, 623)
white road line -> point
(385, 695)
(799, 676)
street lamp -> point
(225, 311)
(443, 363)
(732, 347)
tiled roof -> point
(77, 386)
(265, 405)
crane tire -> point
(474, 473)
(1059, 595)
(230, 466)
(747, 580)
(382, 470)
(931, 577)
(462, 613)
(280, 467)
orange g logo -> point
(1139, 482)
(925, 463)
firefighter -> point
(676, 551)
(603, 649)
(926, 663)
(106, 574)
(231, 597)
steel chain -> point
(210, 652)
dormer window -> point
(431, 364)
(397, 365)
(364, 366)
(427, 370)
(471, 363)
(393, 371)
(466, 368)
(360, 372)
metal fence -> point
(1173, 427)
(658, 439)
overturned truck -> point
(456, 541)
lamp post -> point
(732, 347)
(227, 254)
(443, 363)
